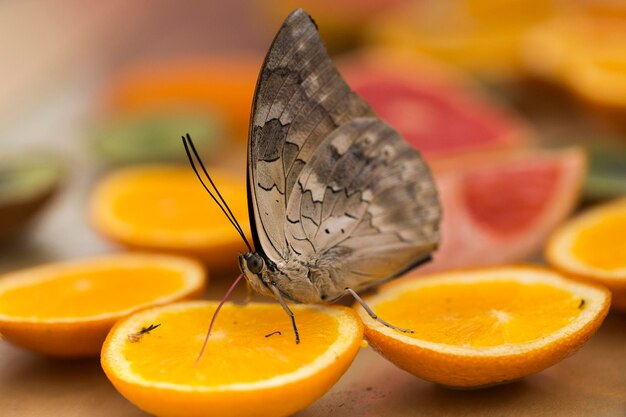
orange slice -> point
(67, 309)
(485, 326)
(251, 366)
(165, 208)
(593, 246)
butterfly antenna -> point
(227, 212)
(193, 148)
(217, 310)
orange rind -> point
(592, 246)
(482, 327)
(66, 309)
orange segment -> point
(66, 309)
(593, 246)
(165, 208)
(245, 371)
(484, 326)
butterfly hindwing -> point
(299, 100)
(364, 205)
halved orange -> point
(251, 366)
(164, 208)
(593, 246)
(484, 326)
(67, 308)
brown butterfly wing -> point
(300, 99)
(364, 208)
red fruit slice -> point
(433, 107)
(500, 206)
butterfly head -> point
(254, 268)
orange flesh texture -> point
(89, 293)
(237, 351)
(456, 314)
(174, 200)
(602, 244)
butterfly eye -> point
(255, 264)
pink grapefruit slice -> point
(435, 108)
(500, 206)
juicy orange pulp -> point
(481, 314)
(67, 308)
(602, 243)
(484, 326)
(166, 208)
(81, 293)
(251, 367)
(174, 200)
(227, 359)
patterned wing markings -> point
(365, 205)
(299, 100)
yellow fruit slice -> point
(593, 246)
(66, 309)
(165, 208)
(485, 326)
(251, 365)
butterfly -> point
(338, 201)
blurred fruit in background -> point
(27, 183)
(66, 309)
(501, 195)
(165, 209)
(583, 47)
(219, 86)
(436, 108)
(483, 36)
(500, 206)
(341, 23)
(607, 169)
(592, 246)
(152, 136)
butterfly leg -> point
(287, 310)
(372, 314)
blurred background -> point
(518, 106)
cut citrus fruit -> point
(251, 365)
(435, 108)
(500, 206)
(593, 246)
(583, 48)
(67, 308)
(485, 326)
(165, 208)
(483, 36)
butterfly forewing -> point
(331, 185)
(300, 98)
